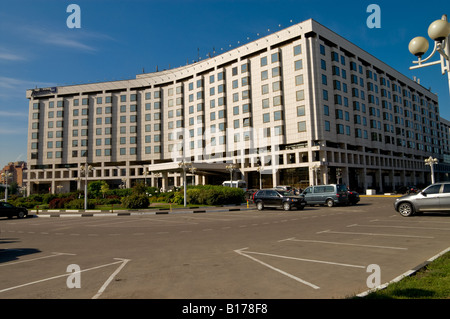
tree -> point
(95, 188)
(104, 188)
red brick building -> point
(18, 170)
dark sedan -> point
(353, 197)
(278, 199)
(9, 210)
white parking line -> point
(239, 251)
(123, 261)
(307, 260)
(107, 282)
(33, 259)
(372, 234)
(410, 221)
(344, 244)
(406, 227)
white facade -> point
(304, 103)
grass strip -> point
(431, 282)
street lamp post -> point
(6, 175)
(316, 170)
(230, 168)
(430, 161)
(86, 169)
(145, 176)
(260, 169)
(338, 174)
(193, 170)
(439, 31)
(184, 165)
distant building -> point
(18, 171)
(300, 106)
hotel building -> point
(300, 106)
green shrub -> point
(135, 201)
(78, 204)
(59, 203)
(215, 195)
(178, 198)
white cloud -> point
(4, 114)
(11, 57)
(63, 40)
(73, 39)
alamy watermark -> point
(74, 19)
(74, 279)
(374, 19)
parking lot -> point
(319, 252)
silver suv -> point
(435, 197)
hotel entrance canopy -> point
(200, 168)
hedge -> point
(214, 195)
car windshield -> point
(284, 193)
(341, 188)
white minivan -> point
(239, 184)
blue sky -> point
(119, 39)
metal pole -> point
(260, 179)
(85, 187)
(184, 184)
(6, 187)
(432, 172)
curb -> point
(405, 274)
(106, 213)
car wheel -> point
(301, 207)
(286, 206)
(21, 215)
(330, 202)
(260, 205)
(405, 209)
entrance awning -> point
(198, 168)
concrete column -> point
(380, 180)
(275, 177)
(364, 179)
(312, 176)
(165, 180)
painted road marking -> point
(123, 261)
(372, 234)
(107, 282)
(33, 259)
(337, 243)
(239, 251)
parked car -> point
(9, 210)
(412, 190)
(353, 197)
(283, 188)
(278, 199)
(434, 198)
(330, 195)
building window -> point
(275, 57)
(264, 61)
(302, 126)
(322, 49)
(300, 95)
(278, 115)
